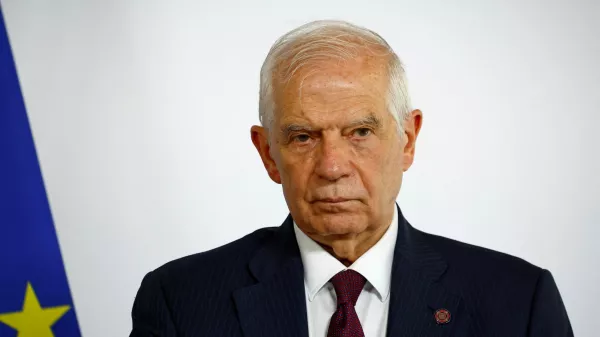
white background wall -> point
(141, 113)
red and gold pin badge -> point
(442, 316)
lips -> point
(334, 200)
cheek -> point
(370, 166)
(392, 163)
(296, 172)
(379, 166)
(393, 171)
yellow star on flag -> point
(34, 321)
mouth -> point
(333, 200)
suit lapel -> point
(416, 291)
(276, 305)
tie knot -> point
(348, 284)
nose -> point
(332, 162)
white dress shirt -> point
(375, 265)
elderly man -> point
(337, 133)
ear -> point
(260, 140)
(412, 126)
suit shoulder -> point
(181, 290)
(235, 254)
(474, 260)
(495, 287)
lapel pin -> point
(442, 316)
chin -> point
(339, 224)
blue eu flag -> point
(34, 294)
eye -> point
(362, 132)
(303, 138)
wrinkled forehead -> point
(332, 81)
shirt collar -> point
(375, 264)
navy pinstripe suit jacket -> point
(254, 287)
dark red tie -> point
(344, 323)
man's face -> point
(336, 150)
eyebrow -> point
(369, 120)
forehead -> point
(334, 89)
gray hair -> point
(326, 39)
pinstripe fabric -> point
(254, 287)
